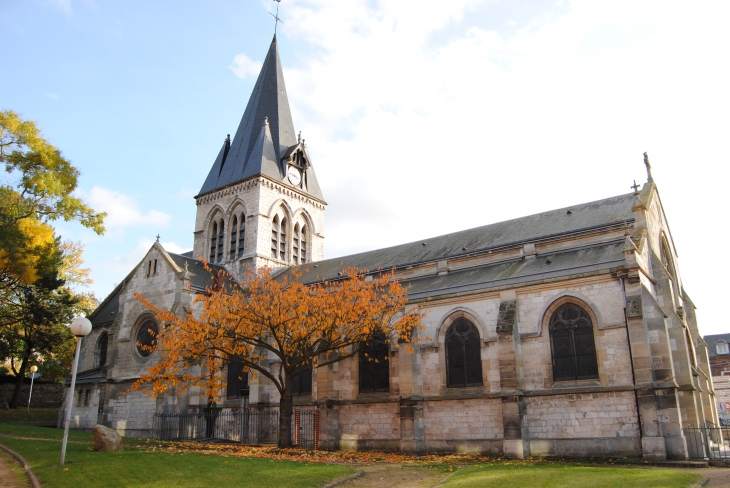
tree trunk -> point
(19, 381)
(286, 407)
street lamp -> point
(33, 369)
(80, 327)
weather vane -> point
(276, 17)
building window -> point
(722, 348)
(275, 236)
(282, 240)
(234, 237)
(213, 242)
(221, 239)
(101, 347)
(303, 246)
(375, 364)
(665, 256)
(573, 348)
(241, 234)
(237, 381)
(301, 384)
(295, 245)
(154, 268)
(146, 338)
(463, 355)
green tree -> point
(37, 190)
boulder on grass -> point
(106, 439)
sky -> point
(422, 117)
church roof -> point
(264, 136)
(533, 228)
(199, 278)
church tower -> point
(261, 203)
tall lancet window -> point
(295, 245)
(221, 239)
(275, 237)
(213, 242)
(282, 240)
(573, 348)
(241, 234)
(234, 237)
(303, 245)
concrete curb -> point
(31, 476)
(342, 481)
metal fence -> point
(709, 442)
(245, 426)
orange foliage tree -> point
(278, 328)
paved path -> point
(12, 474)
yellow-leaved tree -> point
(277, 328)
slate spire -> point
(264, 136)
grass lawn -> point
(143, 464)
(544, 475)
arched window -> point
(241, 234)
(666, 257)
(301, 384)
(375, 364)
(573, 348)
(303, 246)
(237, 381)
(213, 242)
(295, 245)
(282, 240)
(275, 237)
(221, 238)
(100, 352)
(463, 355)
(147, 338)
(234, 237)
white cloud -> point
(123, 211)
(244, 67)
(53, 96)
(451, 118)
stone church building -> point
(564, 333)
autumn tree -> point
(277, 328)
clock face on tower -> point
(295, 177)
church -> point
(565, 333)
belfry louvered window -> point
(573, 347)
(303, 245)
(213, 242)
(275, 237)
(221, 239)
(234, 237)
(282, 240)
(241, 234)
(463, 355)
(295, 244)
(375, 364)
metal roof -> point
(533, 228)
(264, 136)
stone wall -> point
(45, 395)
(463, 419)
(365, 426)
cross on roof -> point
(158, 237)
(635, 187)
(276, 17)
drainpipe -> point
(631, 355)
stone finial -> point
(158, 238)
(299, 137)
(266, 121)
(648, 168)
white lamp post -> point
(80, 327)
(33, 369)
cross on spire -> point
(276, 17)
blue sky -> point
(422, 117)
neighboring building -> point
(563, 333)
(719, 354)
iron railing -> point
(245, 426)
(709, 442)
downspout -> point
(631, 355)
